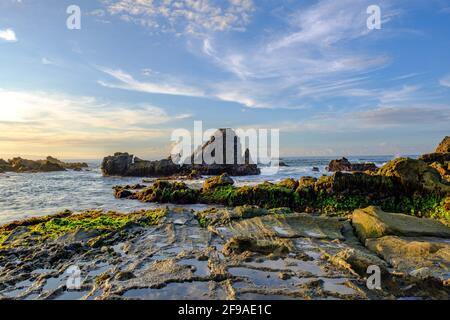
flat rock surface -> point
(419, 257)
(178, 259)
(372, 222)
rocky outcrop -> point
(22, 165)
(345, 165)
(124, 164)
(218, 181)
(372, 222)
(50, 164)
(415, 175)
(444, 146)
(68, 165)
(419, 248)
(441, 155)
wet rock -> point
(295, 225)
(124, 276)
(357, 261)
(315, 169)
(122, 193)
(418, 257)
(238, 245)
(282, 164)
(220, 181)
(345, 165)
(372, 222)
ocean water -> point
(35, 194)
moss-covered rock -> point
(89, 224)
(288, 183)
(264, 195)
(414, 175)
(218, 181)
(168, 192)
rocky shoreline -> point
(296, 239)
(50, 164)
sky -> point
(138, 69)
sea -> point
(24, 195)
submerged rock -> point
(345, 165)
(372, 222)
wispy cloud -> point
(127, 82)
(8, 35)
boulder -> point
(345, 165)
(444, 146)
(372, 222)
(414, 174)
(219, 181)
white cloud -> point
(8, 35)
(42, 121)
(190, 16)
(162, 86)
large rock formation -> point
(124, 164)
(345, 165)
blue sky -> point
(138, 69)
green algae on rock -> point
(218, 181)
(168, 192)
(51, 227)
